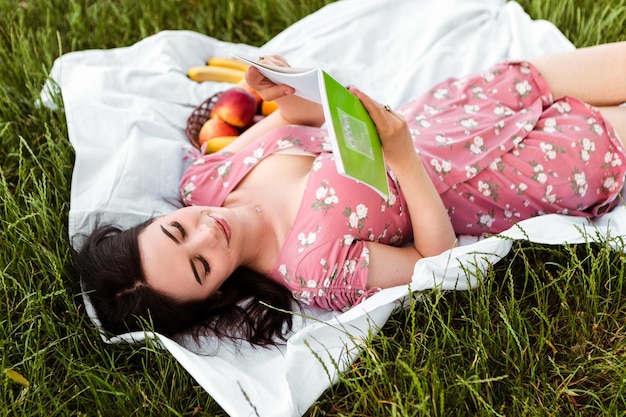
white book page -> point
(306, 81)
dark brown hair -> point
(109, 267)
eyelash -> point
(179, 227)
(203, 261)
(205, 264)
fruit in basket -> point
(225, 115)
(216, 144)
(215, 127)
(218, 61)
(215, 73)
(263, 107)
(235, 106)
(244, 85)
(268, 107)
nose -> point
(205, 235)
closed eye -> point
(205, 265)
(203, 262)
(180, 228)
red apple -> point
(235, 106)
(244, 85)
(216, 127)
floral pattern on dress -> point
(502, 149)
(306, 239)
(496, 145)
(256, 155)
(325, 196)
(356, 218)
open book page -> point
(304, 80)
(352, 132)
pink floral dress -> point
(496, 146)
(500, 149)
(324, 260)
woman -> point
(268, 216)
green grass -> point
(544, 335)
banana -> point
(218, 61)
(217, 143)
(213, 73)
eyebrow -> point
(170, 235)
(193, 267)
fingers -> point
(386, 120)
(393, 131)
(276, 91)
(266, 88)
(374, 108)
(275, 60)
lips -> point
(224, 227)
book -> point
(352, 133)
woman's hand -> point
(293, 109)
(393, 131)
(266, 88)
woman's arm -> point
(291, 109)
(432, 229)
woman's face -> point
(189, 253)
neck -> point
(261, 261)
(258, 211)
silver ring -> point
(386, 107)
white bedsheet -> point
(126, 110)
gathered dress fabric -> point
(497, 146)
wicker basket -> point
(198, 117)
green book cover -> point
(356, 145)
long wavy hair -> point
(109, 267)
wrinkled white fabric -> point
(126, 111)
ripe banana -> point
(217, 143)
(218, 61)
(213, 73)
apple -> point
(245, 86)
(235, 106)
(215, 127)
